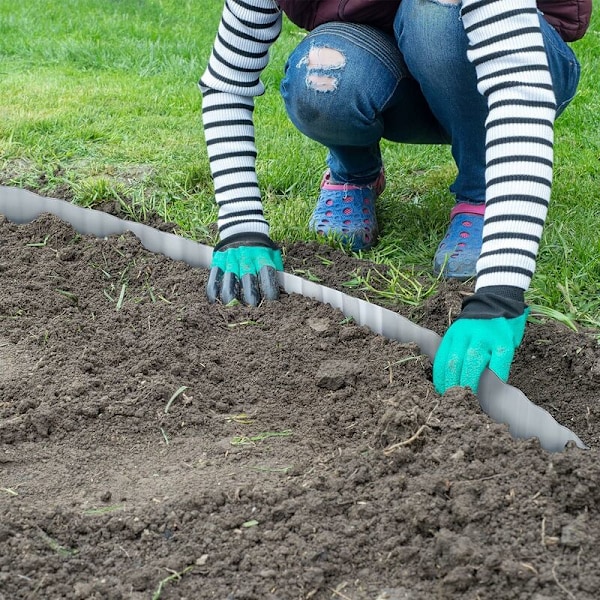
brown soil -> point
(306, 457)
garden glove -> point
(487, 332)
(244, 267)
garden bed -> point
(155, 446)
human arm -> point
(507, 50)
(229, 85)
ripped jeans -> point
(348, 86)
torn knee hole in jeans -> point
(319, 61)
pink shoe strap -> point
(462, 208)
(338, 187)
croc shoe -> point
(457, 254)
(348, 211)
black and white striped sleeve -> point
(229, 84)
(507, 49)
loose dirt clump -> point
(155, 446)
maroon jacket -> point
(569, 17)
(308, 14)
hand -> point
(486, 334)
(244, 267)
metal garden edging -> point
(503, 403)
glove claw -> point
(230, 288)
(213, 287)
(267, 281)
(250, 291)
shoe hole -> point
(329, 213)
(346, 222)
(329, 202)
(464, 234)
(461, 244)
(467, 223)
(347, 211)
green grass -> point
(99, 102)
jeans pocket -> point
(564, 66)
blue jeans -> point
(348, 86)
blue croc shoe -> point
(348, 211)
(457, 254)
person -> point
(488, 77)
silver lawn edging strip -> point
(503, 403)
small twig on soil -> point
(399, 362)
(559, 584)
(547, 540)
(272, 469)
(166, 580)
(244, 324)
(337, 592)
(410, 440)
(390, 449)
(487, 478)
(544, 531)
(239, 440)
(529, 567)
(587, 419)
(38, 587)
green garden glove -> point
(244, 267)
(486, 334)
